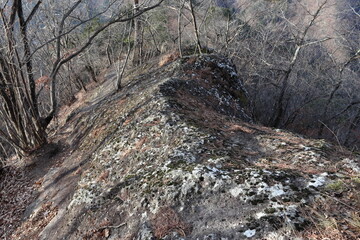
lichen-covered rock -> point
(175, 156)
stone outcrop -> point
(174, 155)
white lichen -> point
(318, 180)
(250, 233)
(276, 190)
(236, 191)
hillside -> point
(335, 17)
(174, 155)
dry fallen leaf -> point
(39, 182)
(106, 232)
(103, 176)
(236, 127)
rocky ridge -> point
(174, 155)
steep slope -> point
(332, 23)
(175, 156)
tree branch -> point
(32, 13)
(60, 60)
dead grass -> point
(167, 221)
(236, 127)
(37, 222)
(140, 143)
(16, 192)
(335, 216)
(167, 58)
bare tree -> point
(181, 7)
(19, 110)
(300, 44)
(121, 68)
(25, 128)
(196, 30)
(137, 36)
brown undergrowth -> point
(167, 58)
(22, 179)
(336, 215)
(33, 227)
(166, 221)
(16, 192)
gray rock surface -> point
(175, 156)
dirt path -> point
(27, 185)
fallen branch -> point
(115, 226)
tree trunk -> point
(137, 36)
(196, 31)
(179, 28)
(120, 72)
(91, 71)
(28, 61)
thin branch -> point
(350, 105)
(353, 9)
(61, 27)
(60, 61)
(332, 132)
(115, 226)
(97, 32)
(32, 13)
(315, 42)
(70, 30)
